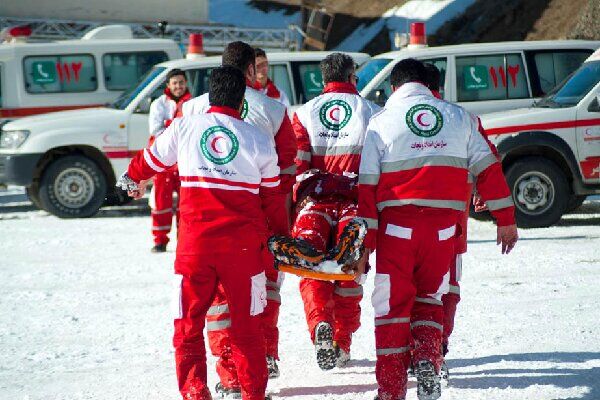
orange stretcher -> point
(318, 275)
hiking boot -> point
(428, 381)
(228, 393)
(272, 367)
(159, 248)
(349, 247)
(294, 251)
(326, 357)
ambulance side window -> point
(549, 68)
(441, 65)
(491, 77)
(69, 73)
(308, 79)
(1, 68)
(123, 70)
(198, 80)
(278, 73)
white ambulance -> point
(551, 152)
(69, 160)
(38, 78)
(484, 77)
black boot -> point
(428, 381)
(159, 248)
(326, 357)
(228, 393)
(272, 367)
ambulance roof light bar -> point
(15, 34)
(418, 37)
(195, 46)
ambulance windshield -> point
(369, 70)
(127, 97)
(574, 88)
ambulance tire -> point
(73, 187)
(33, 194)
(540, 191)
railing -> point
(215, 37)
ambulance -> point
(69, 160)
(37, 77)
(551, 151)
(484, 77)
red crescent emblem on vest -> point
(419, 119)
(331, 114)
(213, 144)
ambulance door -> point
(588, 135)
(149, 89)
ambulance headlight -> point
(12, 139)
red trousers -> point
(451, 299)
(320, 223)
(165, 183)
(219, 322)
(239, 269)
(414, 248)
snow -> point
(84, 314)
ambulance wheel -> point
(73, 187)
(540, 192)
(33, 193)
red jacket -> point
(419, 151)
(267, 115)
(330, 129)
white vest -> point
(161, 109)
(258, 110)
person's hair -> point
(337, 67)
(433, 77)
(239, 55)
(408, 70)
(175, 72)
(226, 87)
(258, 52)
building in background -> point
(175, 11)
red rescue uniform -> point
(229, 187)
(412, 188)
(269, 116)
(162, 112)
(330, 130)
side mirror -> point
(594, 105)
(144, 106)
(380, 97)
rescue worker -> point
(265, 85)
(412, 184)
(330, 130)
(452, 298)
(162, 112)
(229, 187)
(269, 116)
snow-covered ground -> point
(84, 315)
